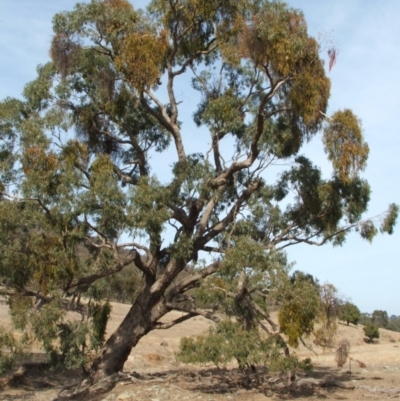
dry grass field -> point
(157, 376)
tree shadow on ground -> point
(33, 375)
(225, 381)
(40, 377)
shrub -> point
(342, 352)
(371, 330)
(229, 340)
(9, 350)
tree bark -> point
(146, 310)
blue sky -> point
(365, 79)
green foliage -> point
(100, 314)
(330, 306)
(78, 339)
(365, 318)
(394, 323)
(300, 309)
(306, 365)
(350, 313)
(148, 210)
(371, 330)
(72, 351)
(10, 349)
(122, 287)
(228, 341)
(265, 279)
(380, 318)
(39, 325)
(305, 303)
(390, 219)
(345, 145)
(19, 310)
(368, 230)
(70, 343)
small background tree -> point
(350, 313)
(365, 318)
(380, 318)
(330, 304)
(394, 323)
(371, 330)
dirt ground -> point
(155, 375)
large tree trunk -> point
(146, 310)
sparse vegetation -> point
(342, 352)
(380, 318)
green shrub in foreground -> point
(9, 350)
(229, 341)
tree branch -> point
(88, 280)
(125, 177)
(188, 281)
(18, 199)
(164, 326)
(265, 315)
(193, 310)
(179, 215)
(212, 249)
(229, 218)
(164, 119)
(30, 293)
(199, 53)
(104, 244)
(206, 216)
(237, 166)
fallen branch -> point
(379, 390)
(85, 391)
(164, 326)
(324, 383)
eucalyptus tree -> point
(84, 162)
